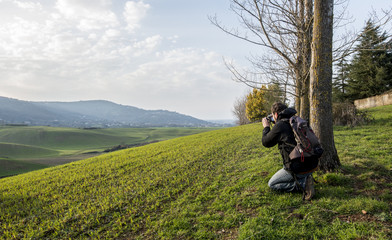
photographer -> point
(282, 135)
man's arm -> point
(270, 137)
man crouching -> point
(299, 175)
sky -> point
(151, 54)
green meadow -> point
(211, 185)
(23, 149)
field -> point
(23, 149)
(211, 185)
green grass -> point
(14, 167)
(211, 185)
(47, 146)
(23, 151)
(82, 139)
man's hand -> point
(265, 122)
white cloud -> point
(87, 49)
(180, 70)
(29, 5)
(194, 76)
(133, 13)
(146, 46)
(77, 28)
(88, 14)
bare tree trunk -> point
(305, 105)
(321, 83)
(298, 91)
(306, 59)
(299, 65)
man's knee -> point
(273, 185)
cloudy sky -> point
(151, 54)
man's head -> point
(277, 107)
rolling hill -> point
(87, 114)
(210, 185)
(51, 146)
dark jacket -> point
(281, 134)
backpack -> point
(308, 146)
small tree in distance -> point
(239, 111)
(340, 82)
(256, 105)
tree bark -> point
(321, 83)
(306, 59)
(300, 65)
(298, 91)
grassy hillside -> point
(77, 139)
(14, 167)
(211, 185)
(40, 147)
(22, 151)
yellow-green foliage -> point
(255, 105)
(207, 186)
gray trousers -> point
(282, 180)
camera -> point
(270, 119)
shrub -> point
(346, 114)
(255, 106)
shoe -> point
(309, 188)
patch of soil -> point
(357, 218)
(228, 234)
(363, 218)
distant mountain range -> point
(91, 114)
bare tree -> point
(239, 111)
(284, 29)
(321, 118)
(305, 36)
